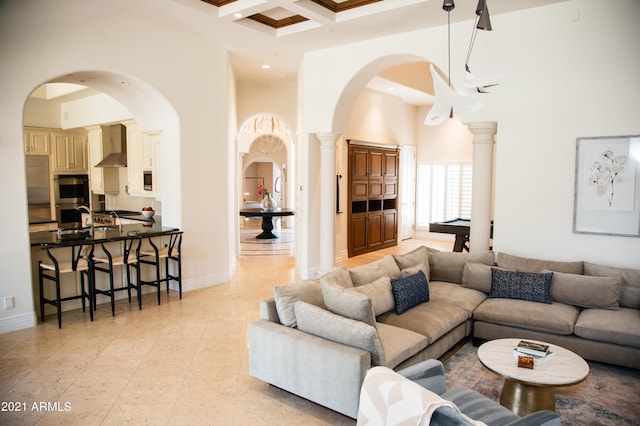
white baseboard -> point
(18, 322)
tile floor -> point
(183, 362)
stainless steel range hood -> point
(118, 144)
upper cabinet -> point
(36, 142)
(69, 152)
(142, 160)
(103, 180)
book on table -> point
(532, 348)
(535, 359)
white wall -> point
(53, 39)
(571, 70)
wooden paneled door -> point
(373, 193)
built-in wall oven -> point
(71, 192)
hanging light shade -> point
(266, 133)
(448, 5)
(484, 23)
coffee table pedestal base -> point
(525, 399)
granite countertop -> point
(100, 234)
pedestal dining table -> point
(267, 216)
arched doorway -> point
(266, 155)
(84, 102)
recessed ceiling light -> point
(238, 15)
(266, 66)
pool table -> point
(459, 227)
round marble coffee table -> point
(529, 390)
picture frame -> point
(607, 186)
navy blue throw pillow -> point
(410, 291)
(531, 286)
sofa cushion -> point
(322, 323)
(630, 289)
(347, 303)
(339, 276)
(621, 326)
(399, 344)
(448, 266)
(414, 259)
(478, 276)
(585, 291)
(380, 294)
(365, 274)
(410, 291)
(524, 264)
(432, 319)
(287, 295)
(456, 295)
(555, 318)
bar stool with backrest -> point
(80, 262)
(154, 256)
(106, 261)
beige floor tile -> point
(184, 362)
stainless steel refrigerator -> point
(38, 188)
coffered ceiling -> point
(279, 32)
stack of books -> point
(531, 353)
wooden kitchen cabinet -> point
(36, 141)
(103, 180)
(373, 191)
(69, 152)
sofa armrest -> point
(429, 374)
(539, 418)
(268, 310)
(314, 368)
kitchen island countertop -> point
(100, 234)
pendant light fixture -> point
(482, 22)
(448, 100)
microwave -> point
(147, 177)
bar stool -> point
(154, 257)
(106, 261)
(81, 255)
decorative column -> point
(483, 142)
(327, 199)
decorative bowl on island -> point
(148, 212)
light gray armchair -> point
(429, 375)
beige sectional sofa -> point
(317, 338)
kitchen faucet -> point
(88, 210)
(118, 220)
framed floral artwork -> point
(607, 186)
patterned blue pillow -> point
(531, 286)
(410, 291)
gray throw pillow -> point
(365, 274)
(339, 276)
(325, 324)
(586, 291)
(285, 296)
(348, 303)
(380, 294)
(530, 286)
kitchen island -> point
(64, 244)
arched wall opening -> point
(148, 108)
(109, 98)
(274, 170)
